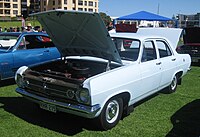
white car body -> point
(154, 77)
(121, 83)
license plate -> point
(48, 107)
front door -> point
(150, 68)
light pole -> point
(186, 20)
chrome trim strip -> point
(79, 109)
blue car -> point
(24, 48)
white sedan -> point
(101, 75)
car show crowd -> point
(27, 28)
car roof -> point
(21, 33)
(10, 33)
(172, 35)
(135, 36)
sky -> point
(167, 8)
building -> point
(16, 8)
(29, 6)
(10, 8)
(34, 6)
(78, 5)
(188, 20)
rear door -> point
(168, 62)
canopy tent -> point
(143, 15)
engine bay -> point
(74, 69)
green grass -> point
(176, 114)
(16, 24)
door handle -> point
(158, 63)
(173, 59)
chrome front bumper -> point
(78, 109)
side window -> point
(47, 41)
(23, 44)
(35, 42)
(149, 51)
(163, 49)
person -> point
(37, 29)
(23, 29)
(29, 28)
(43, 31)
(5, 29)
(18, 29)
(11, 29)
(14, 29)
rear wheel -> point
(172, 87)
(111, 114)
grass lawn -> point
(170, 115)
(16, 24)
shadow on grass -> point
(7, 82)
(186, 121)
(60, 122)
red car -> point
(191, 37)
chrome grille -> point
(52, 89)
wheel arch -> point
(179, 74)
(125, 95)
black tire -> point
(111, 114)
(172, 87)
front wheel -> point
(111, 114)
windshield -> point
(7, 41)
(128, 48)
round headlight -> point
(84, 96)
(20, 81)
(19, 76)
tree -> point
(105, 18)
(25, 14)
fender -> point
(118, 93)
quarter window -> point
(163, 49)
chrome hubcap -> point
(112, 111)
(174, 83)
